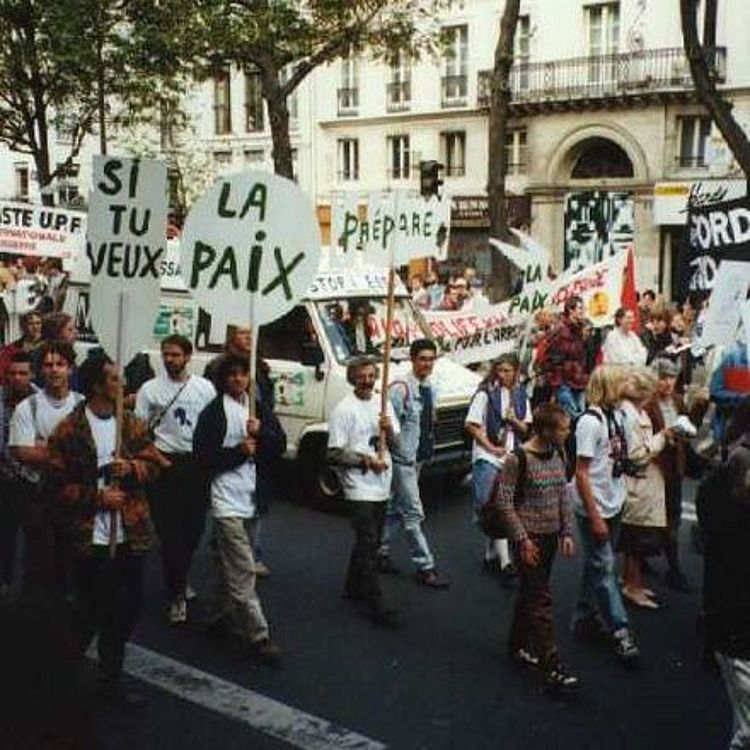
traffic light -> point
(430, 180)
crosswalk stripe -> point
(263, 714)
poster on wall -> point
(598, 224)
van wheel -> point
(319, 484)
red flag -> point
(629, 298)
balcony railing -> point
(348, 101)
(398, 96)
(455, 90)
(601, 77)
(455, 170)
(695, 161)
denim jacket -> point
(407, 404)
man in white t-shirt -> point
(46, 557)
(498, 420)
(228, 443)
(170, 404)
(354, 430)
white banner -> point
(127, 238)
(725, 304)
(41, 231)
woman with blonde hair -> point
(644, 517)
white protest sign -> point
(343, 204)
(42, 231)
(126, 242)
(746, 325)
(722, 319)
(409, 226)
(531, 258)
(252, 239)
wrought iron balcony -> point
(455, 90)
(583, 81)
(348, 99)
(398, 96)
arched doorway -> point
(600, 158)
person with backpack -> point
(723, 505)
(413, 400)
(598, 490)
(534, 507)
(499, 417)
(47, 543)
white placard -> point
(253, 234)
(725, 305)
(41, 231)
(126, 244)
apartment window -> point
(516, 151)
(456, 77)
(167, 116)
(398, 92)
(693, 133)
(603, 29)
(292, 100)
(348, 92)
(67, 184)
(254, 111)
(255, 156)
(523, 51)
(222, 104)
(454, 153)
(21, 176)
(399, 157)
(348, 159)
(222, 159)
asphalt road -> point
(442, 680)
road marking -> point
(266, 715)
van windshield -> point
(357, 326)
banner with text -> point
(41, 231)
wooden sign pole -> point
(119, 411)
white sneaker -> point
(177, 614)
(190, 593)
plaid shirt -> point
(565, 358)
(73, 453)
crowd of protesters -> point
(587, 437)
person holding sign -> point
(170, 404)
(353, 437)
(99, 490)
(228, 443)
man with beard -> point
(170, 404)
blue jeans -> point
(483, 475)
(405, 509)
(573, 401)
(599, 589)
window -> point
(67, 184)
(693, 133)
(255, 156)
(516, 151)
(349, 90)
(399, 157)
(455, 80)
(222, 160)
(523, 51)
(21, 174)
(295, 165)
(167, 115)
(292, 99)
(222, 104)
(603, 25)
(454, 153)
(398, 91)
(348, 159)
(254, 112)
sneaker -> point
(432, 579)
(677, 581)
(590, 627)
(624, 645)
(492, 565)
(508, 575)
(262, 570)
(265, 651)
(190, 592)
(524, 658)
(177, 614)
(559, 679)
(386, 567)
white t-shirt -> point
(623, 349)
(593, 441)
(477, 414)
(174, 431)
(353, 425)
(49, 413)
(104, 432)
(233, 491)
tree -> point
(285, 40)
(53, 79)
(702, 59)
(498, 162)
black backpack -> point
(490, 519)
(570, 444)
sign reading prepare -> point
(42, 231)
(252, 235)
(127, 236)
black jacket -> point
(723, 505)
